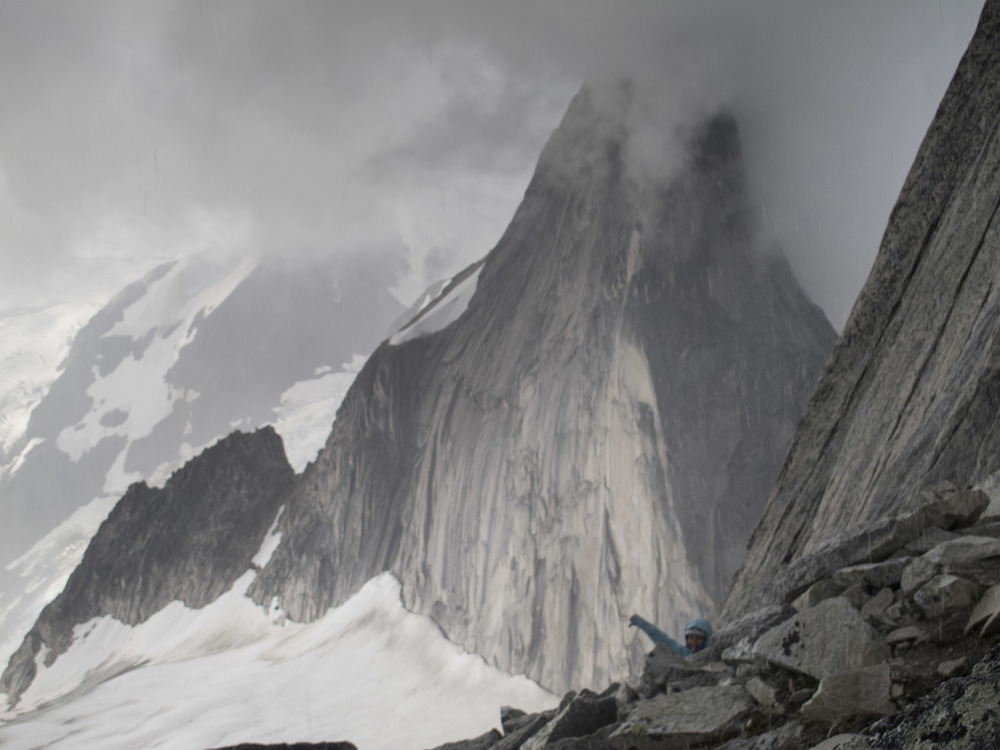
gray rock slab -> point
(765, 695)
(681, 720)
(861, 692)
(876, 575)
(931, 538)
(749, 627)
(917, 573)
(907, 634)
(964, 549)
(829, 638)
(816, 593)
(875, 608)
(945, 594)
(949, 509)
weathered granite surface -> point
(596, 433)
(911, 392)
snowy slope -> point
(174, 362)
(32, 344)
(368, 672)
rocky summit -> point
(593, 436)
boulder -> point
(818, 592)
(911, 634)
(948, 508)
(749, 627)
(952, 667)
(986, 611)
(875, 608)
(861, 692)
(681, 720)
(944, 595)
(917, 573)
(874, 575)
(964, 549)
(829, 638)
(532, 725)
(585, 714)
(929, 539)
(765, 695)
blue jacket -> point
(698, 624)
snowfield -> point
(368, 672)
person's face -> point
(695, 642)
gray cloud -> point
(131, 131)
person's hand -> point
(631, 621)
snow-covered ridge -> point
(233, 672)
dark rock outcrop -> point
(188, 541)
(911, 392)
(596, 433)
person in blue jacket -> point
(696, 635)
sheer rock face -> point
(593, 437)
(912, 390)
(188, 542)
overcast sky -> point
(135, 131)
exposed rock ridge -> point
(593, 433)
(912, 389)
(188, 541)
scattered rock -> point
(917, 573)
(749, 627)
(829, 638)
(911, 634)
(818, 592)
(952, 667)
(964, 549)
(950, 509)
(874, 575)
(760, 691)
(875, 608)
(945, 594)
(862, 692)
(986, 611)
(929, 539)
(679, 720)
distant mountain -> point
(194, 350)
(911, 395)
(585, 425)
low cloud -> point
(411, 129)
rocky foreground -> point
(886, 637)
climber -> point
(696, 635)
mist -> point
(136, 132)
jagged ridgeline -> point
(912, 391)
(595, 435)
